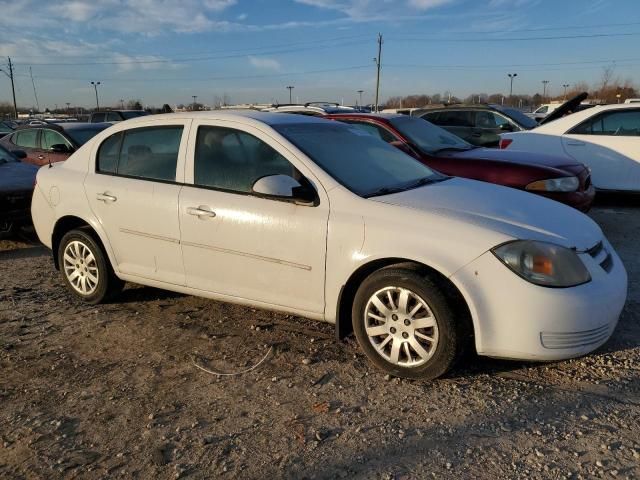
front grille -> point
(574, 339)
(602, 256)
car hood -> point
(514, 156)
(568, 106)
(514, 213)
(17, 176)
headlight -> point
(543, 263)
(564, 184)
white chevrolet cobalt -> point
(315, 218)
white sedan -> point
(605, 138)
(312, 217)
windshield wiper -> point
(410, 186)
(453, 149)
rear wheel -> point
(405, 325)
(85, 267)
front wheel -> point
(85, 267)
(404, 324)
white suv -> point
(312, 217)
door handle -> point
(106, 198)
(201, 211)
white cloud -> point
(427, 4)
(264, 63)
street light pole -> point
(193, 107)
(290, 88)
(511, 77)
(544, 88)
(360, 92)
(95, 87)
(565, 86)
(378, 61)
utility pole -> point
(565, 86)
(360, 92)
(511, 77)
(95, 87)
(378, 61)
(35, 94)
(544, 88)
(290, 88)
(13, 88)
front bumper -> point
(518, 320)
(580, 200)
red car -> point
(46, 142)
(559, 178)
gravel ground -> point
(112, 391)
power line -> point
(515, 39)
(134, 61)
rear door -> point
(609, 143)
(134, 194)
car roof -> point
(244, 116)
(569, 121)
(372, 116)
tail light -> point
(505, 142)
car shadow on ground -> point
(134, 293)
(615, 199)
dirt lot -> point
(112, 391)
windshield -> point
(519, 117)
(364, 164)
(427, 136)
(6, 156)
(128, 115)
(82, 135)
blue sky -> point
(165, 51)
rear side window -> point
(97, 117)
(113, 117)
(457, 118)
(147, 153)
(27, 138)
(108, 154)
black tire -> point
(451, 334)
(107, 284)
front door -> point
(239, 244)
(134, 194)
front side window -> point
(97, 117)
(112, 117)
(616, 123)
(362, 163)
(27, 138)
(50, 138)
(233, 160)
(147, 153)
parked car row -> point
(341, 220)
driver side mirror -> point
(506, 127)
(284, 187)
(60, 148)
(19, 154)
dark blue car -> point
(17, 180)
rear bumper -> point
(515, 319)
